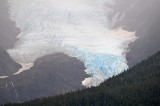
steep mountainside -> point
(138, 86)
(51, 75)
(7, 65)
(143, 17)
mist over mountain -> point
(143, 17)
(8, 31)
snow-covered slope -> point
(79, 28)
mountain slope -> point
(50, 75)
(139, 86)
(7, 65)
(141, 16)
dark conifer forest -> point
(138, 86)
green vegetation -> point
(138, 86)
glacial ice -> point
(79, 28)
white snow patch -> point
(2, 77)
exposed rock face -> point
(51, 75)
(7, 65)
(143, 17)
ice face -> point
(79, 28)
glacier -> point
(78, 28)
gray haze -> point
(8, 31)
(142, 16)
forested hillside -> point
(138, 86)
